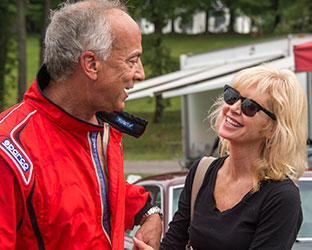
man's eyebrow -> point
(136, 54)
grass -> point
(160, 141)
(33, 61)
(148, 105)
(193, 44)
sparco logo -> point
(124, 123)
(16, 154)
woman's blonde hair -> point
(284, 153)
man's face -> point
(123, 67)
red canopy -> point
(303, 57)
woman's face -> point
(241, 129)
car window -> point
(306, 199)
(176, 195)
(309, 154)
(155, 192)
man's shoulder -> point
(13, 124)
(14, 116)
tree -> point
(156, 57)
(6, 19)
(37, 17)
(45, 21)
(207, 7)
(295, 16)
(21, 40)
(232, 6)
(277, 18)
(157, 60)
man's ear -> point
(89, 63)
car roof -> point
(176, 178)
(166, 179)
(307, 174)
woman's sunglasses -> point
(249, 107)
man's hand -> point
(150, 232)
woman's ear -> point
(89, 63)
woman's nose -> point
(236, 107)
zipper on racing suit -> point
(105, 147)
(93, 137)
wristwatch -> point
(152, 210)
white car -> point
(165, 190)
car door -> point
(157, 200)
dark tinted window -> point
(155, 193)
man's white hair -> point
(75, 28)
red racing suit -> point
(53, 191)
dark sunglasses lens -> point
(249, 108)
(230, 96)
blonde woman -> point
(249, 199)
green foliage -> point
(10, 83)
(32, 51)
(7, 63)
(157, 61)
(296, 16)
(156, 58)
(34, 15)
(251, 7)
(157, 12)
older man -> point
(63, 183)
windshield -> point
(306, 199)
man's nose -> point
(139, 74)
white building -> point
(197, 25)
